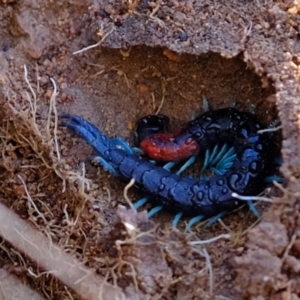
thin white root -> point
(97, 44)
(251, 198)
(269, 129)
(53, 107)
(125, 193)
(221, 236)
(163, 88)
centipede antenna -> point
(193, 221)
(140, 203)
(253, 209)
(215, 219)
(188, 163)
(154, 210)
(176, 219)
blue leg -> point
(205, 104)
(193, 116)
(215, 219)
(118, 142)
(108, 167)
(227, 160)
(218, 160)
(210, 157)
(275, 123)
(206, 161)
(218, 172)
(168, 166)
(93, 158)
(277, 178)
(278, 161)
(188, 163)
(252, 208)
(232, 104)
(154, 210)
(220, 156)
(193, 221)
(140, 203)
(176, 219)
(251, 108)
(137, 151)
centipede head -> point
(150, 125)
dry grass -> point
(27, 134)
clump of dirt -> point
(134, 58)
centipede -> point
(254, 159)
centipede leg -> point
(168, 166)
(205, 104)
(232, 104)
(219, 160)
(252, 208)
(177, 219)
(137, 151)
(272, 178)
(215, 219)
(251, 108)
(154, 211)
(193, 221)
(107, 166)
(118, 142)
(140, 203)
(187, 164)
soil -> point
(144, 57)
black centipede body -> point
(208, 197)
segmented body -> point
(151, 137)
(194, 197)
